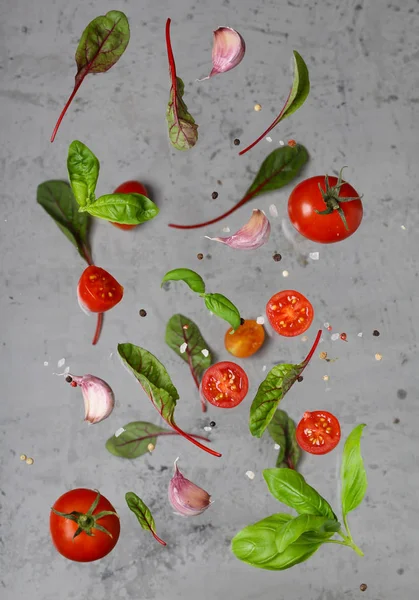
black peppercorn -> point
(277, 257)
(363, 587)
(376, 333)
(242, 321)
(214, 195)
(236, 142)
(212, 424)
(69, 379)
(200, 256)
(300, 378)
(143, 313)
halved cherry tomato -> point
(130, 187)
(318, 432)
(98, 291)
(246, 340)
(289, 313)
(224, 384)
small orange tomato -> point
(246, 340)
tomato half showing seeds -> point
(329, 215)
(130, 187)
(224, 384)
(289, 313)
(84, 525)
(246, 340)
(318, 432)
(98, 291)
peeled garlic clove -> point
(99, 399)
(227, 51)
(187, 499)
(251, 236)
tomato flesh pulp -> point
(289, 313)
(225, 385)
(318, 432)
(129, 187)
(98, 291)
(246, 340)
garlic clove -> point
(253, 235)
(227, 51)
(187, 499)
(99, 399)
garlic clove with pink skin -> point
(187, 499)
(99, 399)
(253, 235)
(227, 51)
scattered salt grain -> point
(66, 370)
(314, 255)
(260, 320)
(277, 446)
(226, 229)
(268, 139)
(45, 363)
(250, 474)
(264, 368)
(334, 337)
(207, 428)
(281, 143)
(403, 227)
(360, 334)
(273, 211)
(326, 325)
(119, 431)
(183, 347)
(304, 338)
(61, 362)
(285, 273)
(205, 352)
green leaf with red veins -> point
(183, 131)
(135, 439)
(143, 514)
(282, 431)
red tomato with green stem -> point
(318, 432)
(289, 313)
(224, 385)
(84, 525)
(98, 291)
(130, 187)
(325, 209)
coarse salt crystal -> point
(205, 352)
(281, 143)
(260, 320)
(403, 227)
(334, 337)
(277, 446)
(285, 273)
(304, 338)
(207, 428)
(119, 431)
(273, 211)
(268, 138)
(226, 229)
(325, 377)
(61, 362)
(183, 347)
(45, 363)
(264, 368)
(360, 334)
(314, 255)
(327, 325)
(66, 370)
(250, 474)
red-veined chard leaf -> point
(282, 431)
(278, 169)
(143, 514)
(101, 45)
(297, 96)
(157, 384)
(184, 337)
(183, 131)
(271, 391)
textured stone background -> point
(362, 112)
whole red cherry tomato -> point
(98, 291)
(224, 384)
(289, 313)
(89, 534)
(318, 432)
(325, 209)
(246, 340)
(130, 187)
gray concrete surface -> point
(362, 112)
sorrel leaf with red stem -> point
(157, 384)
(297, 96)
(271, 391)
(143, 514)
(183, 131)
(184, 337)
(101, 45)
(278, 169)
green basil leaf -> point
(282, 431)
(279, 168)
(153, 378)
(223, 308)
(270, 392)
(353, 475)
(290, 487)
(181, 330)
(192, 279)
(57, 198)
(127, 209)
(83, 172)
(183, 131)
(291, 531)
(134, 440)
(143, 514)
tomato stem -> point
(98, 329)
(156, 537)
(153, 435)
(188, 437)
(172, 65)
(69, 101)
(313, 349)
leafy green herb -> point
(157, 384)
(83, 172)
(143, 514)
(101, 45)
(180, 331)
(279, 168)
(192, 279)
(353, 475)
(222, 307)
(297, 96)
(282, 541)
(271, 391)
(183, 131)
(282, 431)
